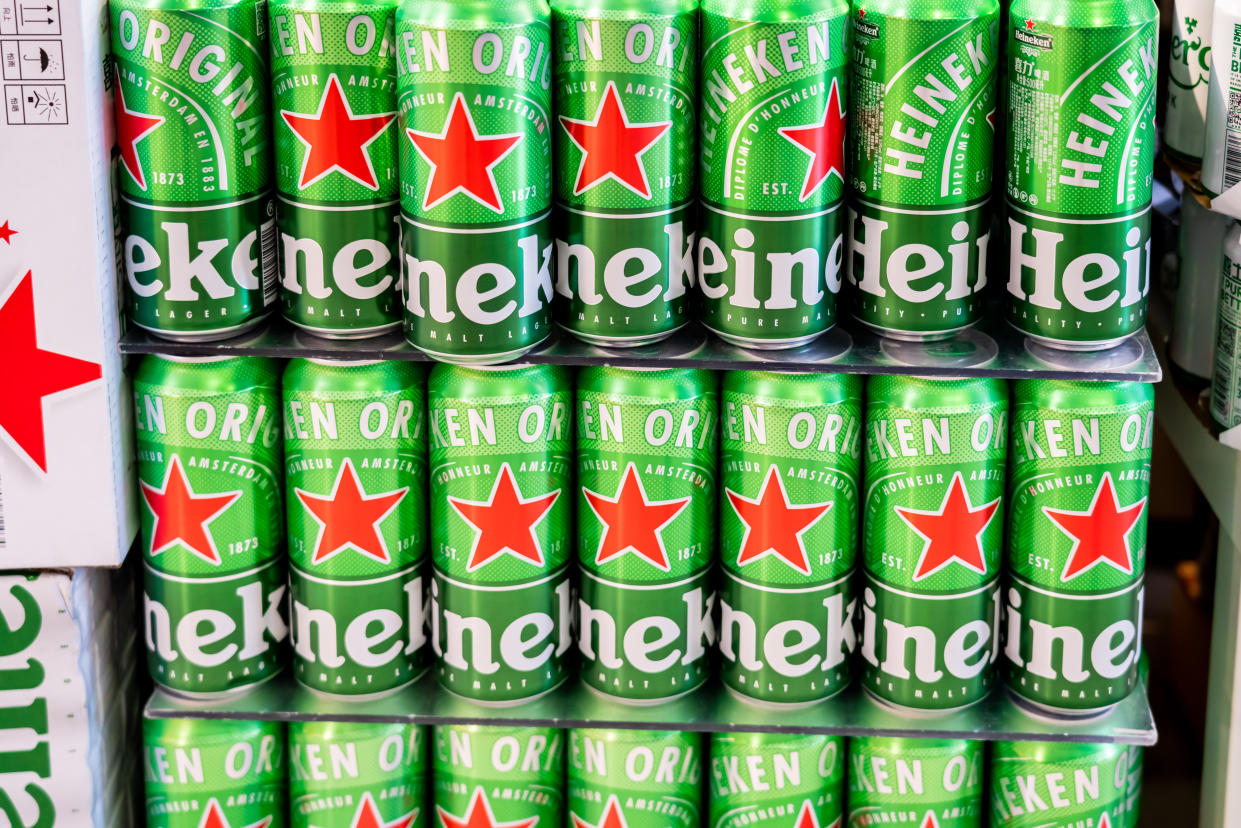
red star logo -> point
(213, 817)
(807, 818)
(132, 127)
(612, 147)
(181, 516)
(1101, 533)
(1103, 821)
(1030, 25)
(824, 142)
(773, 525)
(861, 13)
(952, 532)
(7, 233)
(462, 161)
(929, 821)
(336, 139)
(349, 517)
(505, 521)
(612, 817)
(479, 815)
(367, 816)
(31, 374)
(633, 523)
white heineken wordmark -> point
(651, 644)
(372, 639)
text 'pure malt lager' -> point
(355, 470)
(334, 99)
(646, 520)
(474, 103)
(772, 168)
(790, 469)
(498, 777)
(635, 779)
(356, 775)
(194, 133)
(210, 483)
(932, 534)
(922, 783)
(1081, 146)
(921, 138)
(776, 780)
(626, 137)
(215, 773)
(501, 515)
(1037, 784)
(1078, 487)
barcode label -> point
(267, 243)
(1222, 392)
(1232, 143)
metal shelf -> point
(992, 349)
(711, 709)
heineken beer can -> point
(921, 783)
(1081, 147)
(474, 109)
(1189, 73)
(1039, 784)
(193, 130)
(333, 83)
(932, 530)
(356, 775)
(790, 471)
(355, 465)
(771, 169)
(215, 773)
(499, 777)
(1078, 485)
(210, 485)
(776, 780)
(1226, 373)
(646, 454)
(635, 779)
(920, 151)
(501, 517)
(626, 142)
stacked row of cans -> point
(354, 775)
(647, 480)
(462, 167)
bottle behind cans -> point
(776, 780)
(1058, 783)
(499, 777)
(1226, 370)
(1189, 74)
(635, 778)
(928, 783)
(1200, 247)
(1220, 168)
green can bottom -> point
(347, 334)
(623, 341)
(767, 344)
(207, 336)
(920, 712)
(1050, 713)
(469, 360)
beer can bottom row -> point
(918, 712)
(213, 335)
(345, 335)
(621, 341)
(1049, 713)
(766, 344)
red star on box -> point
(1101, 533)
(7, 233)
(462, 161)
(213, 817)
(612, 147)
(367, 816)
(181, 515)
(633, 523)
(30, 374)
(349, 517)
(132, 127)
(505, 521)
(824, 142)
(773, 526)
(336, 139)
(479, 815)
(612, 816)
(952, 532)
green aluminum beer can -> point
(193, 129)
(921, 137)
(626, 77)
(791, 464)
(1076, 553)
(210, 484)
(474, 109)
(635, 779)
(919, 783)
(1081, 146)
(646, 453)
(1038, 784)
(501, 517)
(357, 775)
(499, 777)
(772, 168)
(355, 469)
(214, 773)
(776, 780)
(333, 82)
(932, 534)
